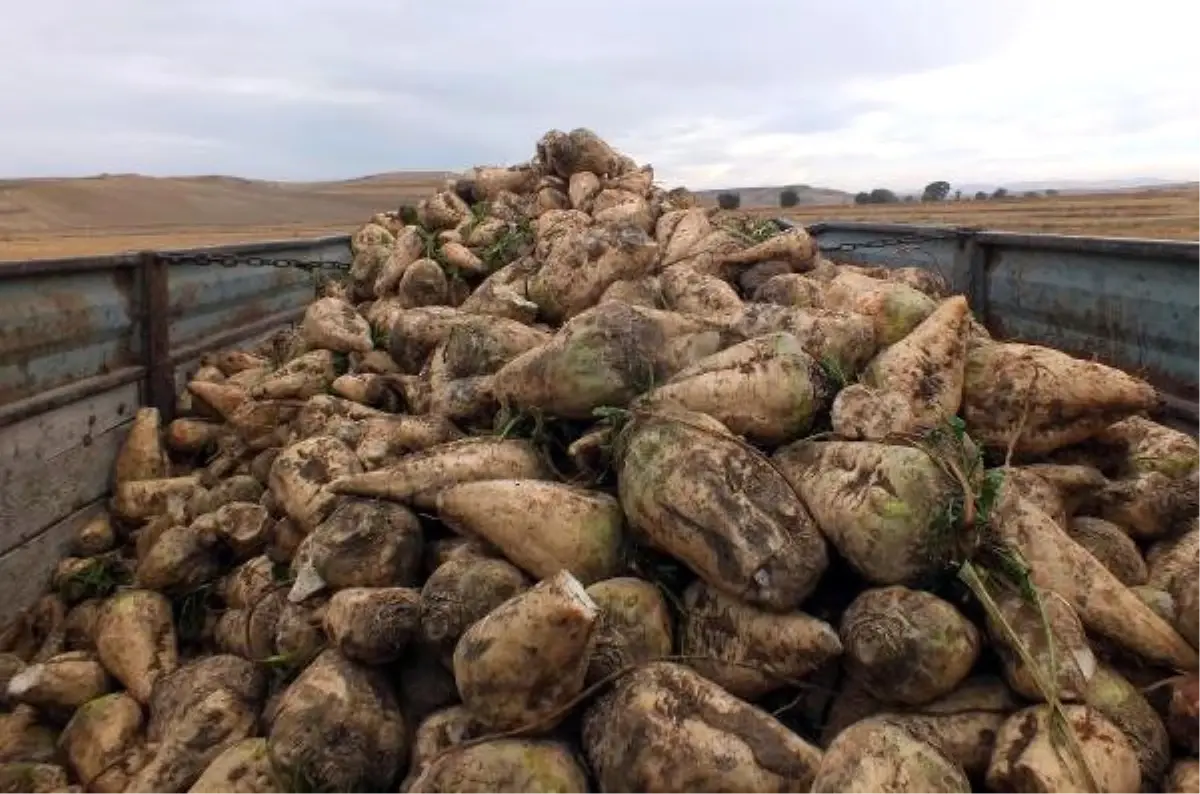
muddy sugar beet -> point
(576, 484)
(694, 490)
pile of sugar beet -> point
(573, 485)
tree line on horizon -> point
(939, 190)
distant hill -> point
(132, 201)
(769, 196)
(136, 203)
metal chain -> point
(243, 260)
(887, 242)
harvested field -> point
(1162, 214)
(45, 218)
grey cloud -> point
(316, 89)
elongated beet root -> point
(767, 389)
(692, 735)
(692, 489)
(543, 527)
(135, 640)
(1029, 755)
(1103, 604)
(752, 651)
(417, 478)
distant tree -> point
(879, 195)
(1000, 193)
(981, 195)
(729, 201)
(882, 195)
(1051, 191)
(1032, 194)
(936, 191)
(789, 197)
(958, 195)
(910, 198)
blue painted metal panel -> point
(208, 299)
(1138, 312)
(894, 245)
(67, 321)
(1130, 303)
(58, 329)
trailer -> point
(84, 342)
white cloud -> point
(843, 94)
(1083, 91)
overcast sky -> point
(840, 93)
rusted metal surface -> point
(65, 395)
(66, 322)
(83, 343)
(156, 340)
(1126, 302)
(21, 268)
(61, 328)
(1137, 312)
(211, 299)
(936, 248)
(236, 335)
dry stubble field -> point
(1163, 214)
(50, 218)
(46, 218)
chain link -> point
(910, 240)
(243, 260)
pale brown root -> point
(690, 488)
(1104, 605)
(912, 386)
(135, 640)
(1066, 400)
(693, 736)
(907, 646)
(335, 694)
(1027, 756)
(634, 626)
(418, 477)
(1069, 665)
(542, 527)
(876, 754)
(506, 765)
(539, 641)
(142, 456)
(333, 324)
(767, 389)
(781, 647)
(890, 532)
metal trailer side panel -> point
(71, 378)
(1129, 303)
